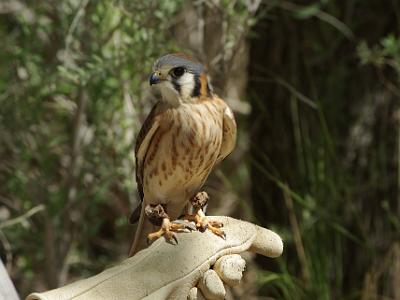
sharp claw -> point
(223, 235)
(190, 226)
(175, 238)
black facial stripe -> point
(197, 86)
(176, 85)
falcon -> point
(188, 131)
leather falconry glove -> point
(198, 267)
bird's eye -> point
(178, 72)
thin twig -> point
(23, 217)
(74, 24)
(387, 83)
(301, 97)
(323, 16)
(297, 236)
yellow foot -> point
(168, 230)
(202, 223)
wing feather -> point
(146, 134)
(229, 134)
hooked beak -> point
(155, 78)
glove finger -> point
(195, 294)
(212, 286)
(230, 268)
(192, 294)
(266, 243)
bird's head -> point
(180, 79)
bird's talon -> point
(203, 224)
(168, 230)
(200, 200)
(218, 232)
(216, 224)
(191, 227)
(170, 242)
(185, 224)
(213, 226)
(171, 238)
(175, 238)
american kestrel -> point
(188, 131)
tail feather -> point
(135, 215)
(143, 229)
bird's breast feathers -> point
(184, 149)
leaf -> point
(308, 11)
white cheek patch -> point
(168, 92)
(186, 83)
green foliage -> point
(70, 105)
(327, 136)
(386, 53)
